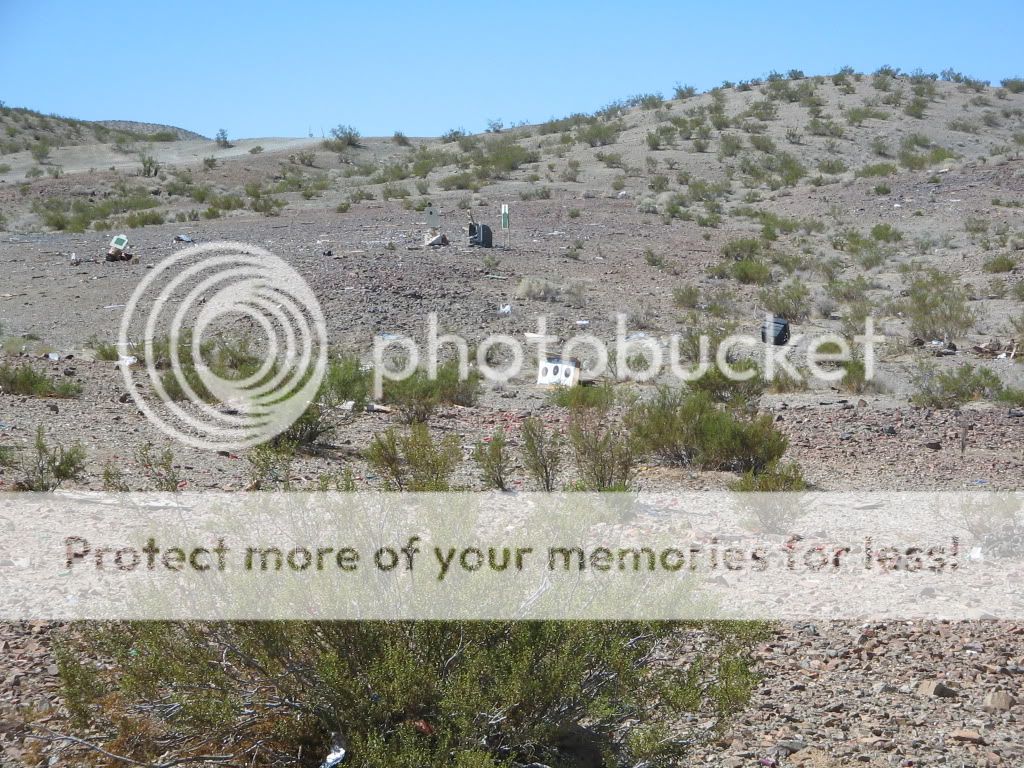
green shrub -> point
(418, 395)
(601, 397)
(542, 453)
(142, 219)
(1000, 263)
(743, 248)
(886, 233)
(1014, 84)
(600, 134)
(686, 297)
(950, 389)
(25, 380)
(937, 306)
(48, 468)
(464, 180)
(688, 428)
(407, 694)
(877, 169)
(414, 461)
(494, 461)
(775, 478)
(159, 468)
(104, 350)
(832, 165)
(737, 394)
(916, 108)
(750, 272)
(605, 455)
(789, 301)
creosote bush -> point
(949, 389)
(25, 380)
(542, 453)
(605, 455)
(937, 306)
(494, 461)
(414, 461)
(46, 468)
(404, 694)
(418, 395)
(688, 428)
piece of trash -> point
(75, 261)
(582, 323)
(480, 235)
(118, 250)
(558, 370)
(436, 239)
(975, 555)
(775, 331)
(183, 239)
(337, 753)
(505, 309)
(328, 253)
(127, 360)
(113, 306)
(389, 336)
(53, 356)
(556, 233)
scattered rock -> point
(936, 688)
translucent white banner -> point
(334, 556)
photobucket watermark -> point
(630, 355)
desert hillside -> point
(826, 200)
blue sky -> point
(422, 68)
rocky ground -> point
(831, 693)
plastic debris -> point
(75, 261)
(505, 309)
(183, 239)
(337, 753)
(775, 331)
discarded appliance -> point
(479, 234)
(563, 371)
(118, 250)
(775, 331)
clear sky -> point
(285, 69)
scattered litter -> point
(55, 356)
(183, 239)
(75, 261)
(775, 331)
(480, 235)
(582, 323)
(559, 370)
(127, 360)
(436, 239)
(636, 336)
(556, 233)
(113, 306)
(328, 253)
(975, 555)
(118, 250)
(505, 309)
(389, 336)
(995, 348)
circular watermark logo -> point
(185, 295)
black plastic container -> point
(775, 331)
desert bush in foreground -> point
(405, 694)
